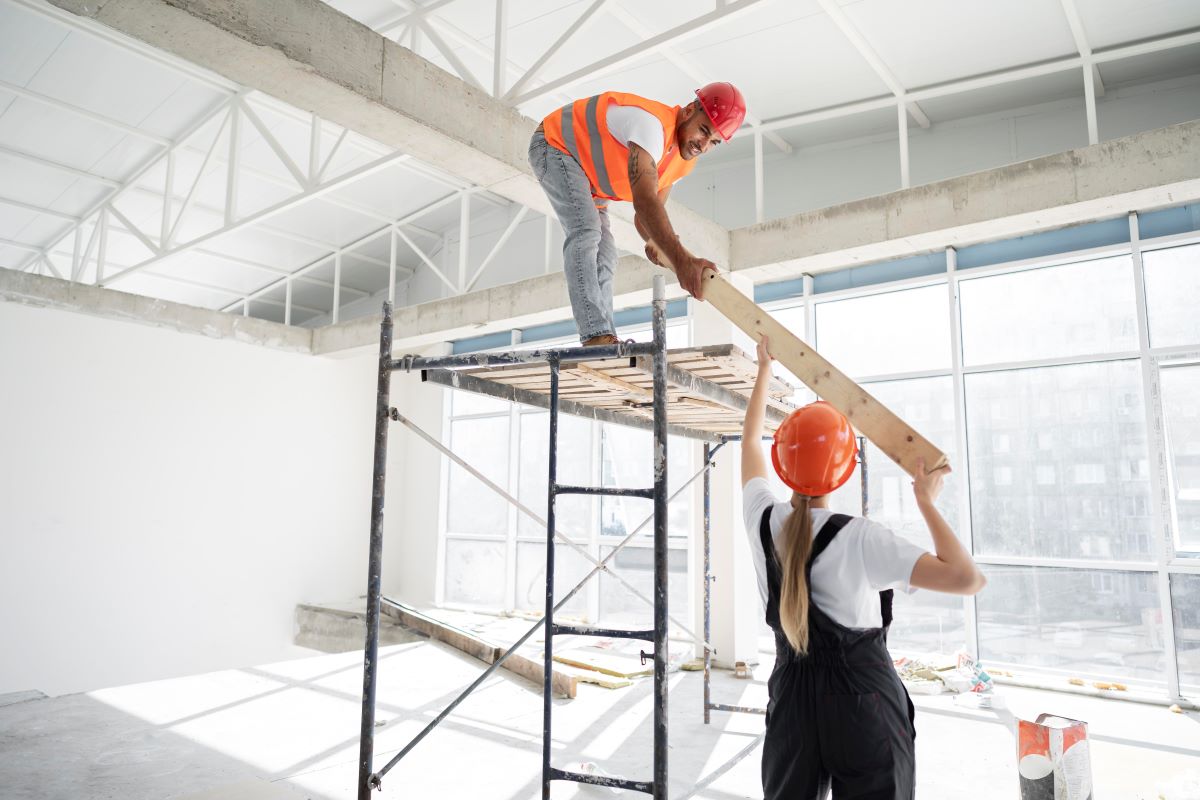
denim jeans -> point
(589, 253)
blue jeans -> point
(589, 253)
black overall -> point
(838, 717)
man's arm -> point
(652, 222)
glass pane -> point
(620, 608)
(917, 325)
(472, 506)
(928, 405)
(1185, 605)
(1172, 286)
(1105, 625)
(569, 568)
(627, 463)
(462, 403)
(574, 512)
(1181, 408)
(1058, 462)
(475, 572)
(1075, 309)
(793, 320)
(927, 622)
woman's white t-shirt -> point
(862, 560)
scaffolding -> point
(698, 393)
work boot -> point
(602, 339)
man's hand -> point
(691, 275)
(652, 254)
(928, 485)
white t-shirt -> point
(632, 124)
(862, 560)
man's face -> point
(695, 133)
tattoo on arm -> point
(633, 166)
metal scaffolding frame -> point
(651, 356)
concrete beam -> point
(533, 301)
(38, 290)
(1134, 173)
(309, 55)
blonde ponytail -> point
(793, 594)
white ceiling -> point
(87, 119)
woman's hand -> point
(927, 486)
(764, 354)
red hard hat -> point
(814, 450)
(724, 105)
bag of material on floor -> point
(1053, 759)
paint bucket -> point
(1053, 759)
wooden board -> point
(896, 438)
(608, 662)
(562, 685)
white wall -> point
(166, 499)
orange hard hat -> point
(814, 450)
(724, 105)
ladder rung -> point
(602, 780)
(576, 630)
(564, 489)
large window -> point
(1079, 487)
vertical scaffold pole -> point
(551, 490)
(660, 537)
(707, 586)
(366, 739)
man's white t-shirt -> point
(862, 560)
(633, 124)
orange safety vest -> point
(580, 130)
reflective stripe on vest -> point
(600, 154)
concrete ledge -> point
(38, 290)
(532, 301)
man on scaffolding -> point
(618, 146)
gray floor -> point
(290, 730)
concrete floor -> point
(290, 730)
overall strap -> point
(773, 581)
(829, 530)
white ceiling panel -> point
(1153, 66)
(322, 220)
(58, 135)
(31, 182)
(934, 41)
(804, 52)
(1111, 22)
(27, 40)
(110, 80)
(261, 245)
(187, 105)
(78, 197)
(393, 192)
(1044, 89)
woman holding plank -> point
(838, 718)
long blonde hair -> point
(793, 592)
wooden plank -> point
(532, 669)
(896, 438)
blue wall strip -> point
(1050, 243)
(1169, 221)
